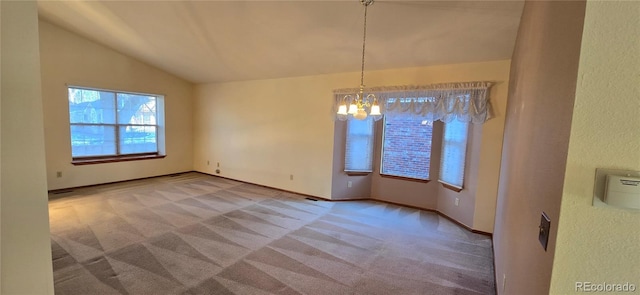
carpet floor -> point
(199, 234)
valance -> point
(465, 101)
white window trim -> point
(457, 185)
(159, 127)
(351, 169)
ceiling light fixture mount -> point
(358, 102)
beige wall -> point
(477, 202)
(0, 147)
(360, 184)
(413, 193)
(67, 58)
(602, 244)
(465, 211)
(26, 248)
(541, 95)
(256, 132)
(264, 131)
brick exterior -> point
(406, 149)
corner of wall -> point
(543, 79)
(598, 245)
(26, 265)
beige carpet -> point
(199, 234)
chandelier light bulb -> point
(361, 114)
(353, 109)
(375, 110)
(342, 109)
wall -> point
(602, 244)
(257, 134)
(0, 147)
(466, 210)
(264, 131)
(414, 193)
(67, 58)
(541, 95)
(26, 248)
(360, 184)
(477, 201)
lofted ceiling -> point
(219, 41)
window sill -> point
(357, 173)
(102, 160)
(454, 188)
(405, 178)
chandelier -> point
(359, 103)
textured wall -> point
(267, 130)
(67, 58)
(360, 184)
(477, 201)
(602, 244)
(470, 198)
(541, 95)
(26, 248)
(257, 133)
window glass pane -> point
(406, 146)
(109, 123)
(454, 148)
(359, 146)
(136, 109)
(138, 139)
(92, 140)
(91, 106)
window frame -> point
(447, 184)
(382, 148)
(371, 137)
(118, 156)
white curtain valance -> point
(465, 101)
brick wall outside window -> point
(406, 150)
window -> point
(109, 124)
(454, 149)
(406, 146)
(359, 146)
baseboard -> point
(67, 190)
(71, 189)
(439, 213)
(495, 271)
(475, 231)
(404, 205)
(262, 185)
(364, 199)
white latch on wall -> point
(617, 189)
(622, 191)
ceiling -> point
(219, 41)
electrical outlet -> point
(291, 177)
(349, 183)
(218, 164)
(457, 202)
(59, 174)
(207, 163)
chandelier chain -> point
(364, 41)
(359, 104)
